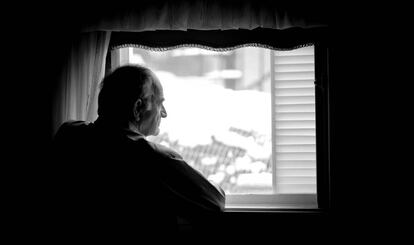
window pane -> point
(227, 112)
(219, 112)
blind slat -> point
(295, 140)
(295, 76)
(297, 52)
(309, 83)
(295, 163)
(294, 100)
(295, 91)
(296, 132)
(296, 173)
(295, 67)
(295, 107)
(297, 156)
(296, 116)
(297, 179)
(296, 148)
(295, 124)
(296, 59)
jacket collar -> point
(116, 126)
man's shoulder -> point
(72, 129)
(163, 151)
(73, 125)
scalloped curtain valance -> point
(220, 40)
(184, 15)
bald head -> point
(122, 88)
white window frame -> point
(272, 200)
(240, 202)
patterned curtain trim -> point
(222, 49)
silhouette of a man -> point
(113, 179)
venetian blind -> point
(294, 145)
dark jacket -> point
(107, 176)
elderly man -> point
(111, 174)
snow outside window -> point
(244, 118)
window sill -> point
(271, 210)
(260, 202)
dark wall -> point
(37, 45)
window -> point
(244, 118)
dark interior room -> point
(56, 46)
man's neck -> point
(134, 128)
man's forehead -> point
(157, 87)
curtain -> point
(79, 84)
(206, 15)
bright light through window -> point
(220, 118)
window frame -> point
(278, 202)
(270, 201)
(320, 200)
(323, 126)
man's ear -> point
(137, 108)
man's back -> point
(111, 178)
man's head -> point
(133, 94)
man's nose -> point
(163, 112)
